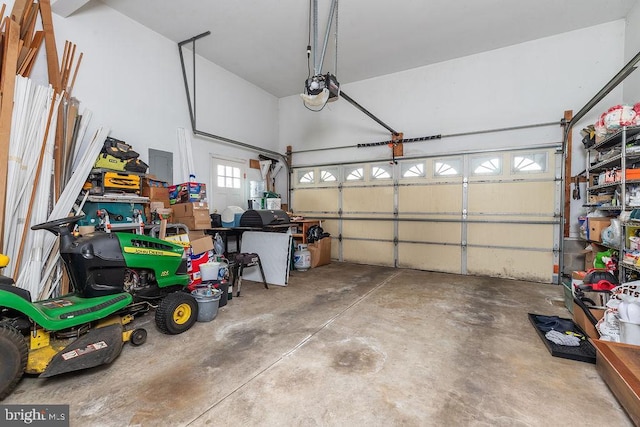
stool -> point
(243, 260)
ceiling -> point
(265, 42)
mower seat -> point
(6, 284)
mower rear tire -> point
(14, 354)
(176, 313)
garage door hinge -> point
(395, 241)
(340, 212)
(340, 237)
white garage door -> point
(493, 214)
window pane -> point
(381, 172)
(221, 181)
(220, 170)
(356, 175)
(236, 182)
(447, 167)
(486, 166)
(306, 178)
(530, 162)
(236, 172)
(328, 175)
(412, 170)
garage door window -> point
(486, 166)
(381, 172)
(448, 167)
(412, 170)
(529, 163)
(329, 175)
(355, 174)
(305, 177)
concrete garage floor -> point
(347, 344)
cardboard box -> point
(580, 318)
(188, 192)
(160, 194)
(201, 245)
(595, 227)
(194, 235)
(320, 252)
(193, 223)
(152, 181)
(198, 216)
(597, 198)
(190, 209)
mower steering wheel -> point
(54, 226)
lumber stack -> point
(45, 122)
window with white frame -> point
(447, 167)
(355, 174)
(329, 175)
(228, 176)
(381, 171)
(529, 162)
(487, 165)
(306, 176)
(412, 170)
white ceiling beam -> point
(66, 8)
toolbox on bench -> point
(103, 181)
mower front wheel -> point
(13, 353)
(176, 313)
(138, 336)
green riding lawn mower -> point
(113, 277)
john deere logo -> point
(147, 251)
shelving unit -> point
(615, 188)
(302, 226)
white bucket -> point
(209, 271)
(629, 332)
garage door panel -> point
(429, 257)
(515, 235)
(430, 198)
(445, 232)
(368, 229)
(368, 199)
(512, 197)
(466, 213)
(368, 252)
(331, 226)
(316, 200)
(508, 263)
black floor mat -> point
(583, 353)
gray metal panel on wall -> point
(161, 165)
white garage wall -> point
(130, 77)
(533, 82)
(631, 48)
